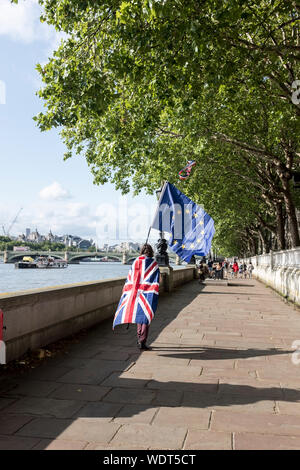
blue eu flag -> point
(191, 228)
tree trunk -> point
(280, 227)
(263, 240)
(285, 174)
(291, 213)
(251, 244)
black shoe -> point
(143, 347)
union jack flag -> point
(139, 298)
(185, 172)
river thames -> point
(13, 280)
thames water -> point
(14, 280)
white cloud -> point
(77, 209)
(21, 22)
(61, 217)
(54, 192)
(87, 220)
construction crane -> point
(7, 232)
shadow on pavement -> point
(219, 353)
(232, 293)
(93, 380)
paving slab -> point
(33, 388)
(45, 407)
(103, 411)
(85, 376)
(262, 423)
(81, 392)
(135, 414)
(219, 376)
(60, 444)
(247, 441)
(129, 380)
(48, 372)
(288, 408)
(168, 398)
(93, 430)
(196, 385)
(182, 417)
(4, 402)
(45, 428)
(9, 424)
(159, 437)
(208, 440)
(17, 443)
(130, 395)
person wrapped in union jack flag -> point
(139, 298)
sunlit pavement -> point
(222, 374)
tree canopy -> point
(138, 87)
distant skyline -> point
(52, 193)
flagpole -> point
(162, 192)
(148, 235)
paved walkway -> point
(220, 376)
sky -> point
(35, 181)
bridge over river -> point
(73, 256)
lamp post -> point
(161, 255)
(78, 246)
(296, 179)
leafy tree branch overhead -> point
(138, 87)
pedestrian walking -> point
(226, 268)
(203, 272)
(235, 268)
(219, 271)
(139, 298)
(241, 270)
(250, 269)
(210, 265)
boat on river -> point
(42, 262)
(26, 263)
(48, 262)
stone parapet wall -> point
(181, 276)
(279, 270)
(286, 281)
